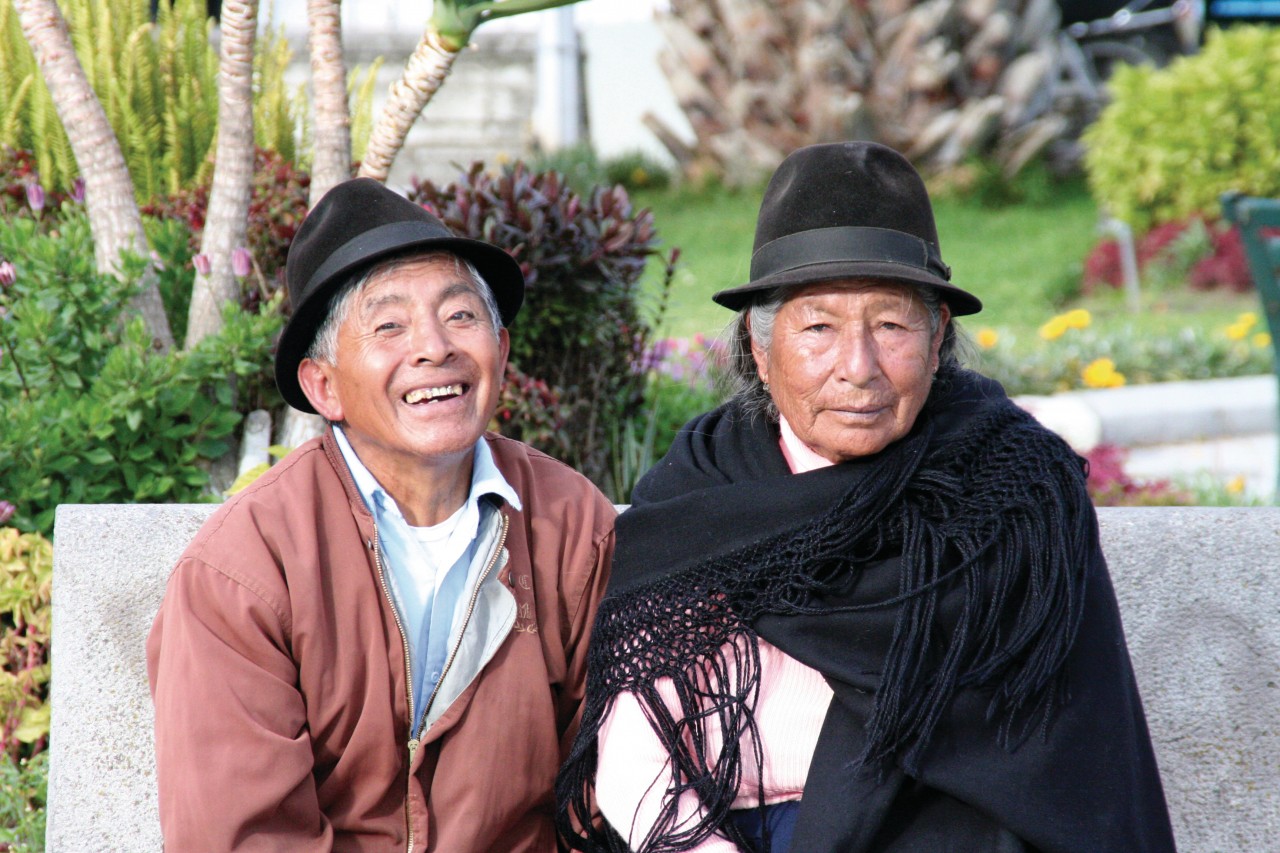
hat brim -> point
(961, 302)
(499, 270)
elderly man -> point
(381, 644)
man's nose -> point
(430, 342)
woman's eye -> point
(462, 316)
(817, 327)
(387, 326)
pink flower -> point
(77, 190)
(35, 197)
(203, 265)
(241, 262)
(6, 511)
(8, 275)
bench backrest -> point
(1198, 590)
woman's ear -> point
(317, 383)
(944, 320)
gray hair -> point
(755, 323)
(325, 346)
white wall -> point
(618, 38)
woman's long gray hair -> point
(756, 321)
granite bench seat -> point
(1199, 592)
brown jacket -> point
(278, 672)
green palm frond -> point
(361, 85)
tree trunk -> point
(422, 77)
(331, 156)
(113, 212)
(227, 222)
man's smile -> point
(439, 392)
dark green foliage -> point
(582, 328)
(1174, 139)
(89, 412)
(22, 801)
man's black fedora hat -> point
(846, 210)
(357, 223)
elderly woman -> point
(862, 606)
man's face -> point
(417, 371)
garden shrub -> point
(1110, 485)
(1203, 255)
(89, 411)
(26, 580)
(277, 206)
(582, 328)
(1173, 139)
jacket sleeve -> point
(581, 605)
(233, 753)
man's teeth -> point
(421, 394)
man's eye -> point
(462, 316)
(817, 327)
(388, 326)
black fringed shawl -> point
(951, 590)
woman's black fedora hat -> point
(846, 210)
(357, 223)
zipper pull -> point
(413, 749)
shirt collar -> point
(486, 479)
(800, 457)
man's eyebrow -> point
(378, 300)
(460, 288)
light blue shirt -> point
(430, 570)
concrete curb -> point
(1159, 413)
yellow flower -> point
(1053, 329)
(1262, 340)
(1102, 373)
(1077, 319)
(1235, 485)
(987, 338)
(1237, 331)
(1248, 319)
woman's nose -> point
(858, 357)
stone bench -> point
(1198, 588)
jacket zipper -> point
(471, 608)
(408, 680)
(415, 736)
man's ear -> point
(317, 383)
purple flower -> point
(35, 198)
(241, 262)
(8, 275)
(77, 190)
(203, 265)
(6, 511)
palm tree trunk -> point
(227, 222)
(331, 156)
(114, 219)
(423, 75)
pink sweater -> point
(634, 773)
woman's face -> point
(850, 364)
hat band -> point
(846, 243)
(374, 242)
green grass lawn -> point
(1023, 260)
